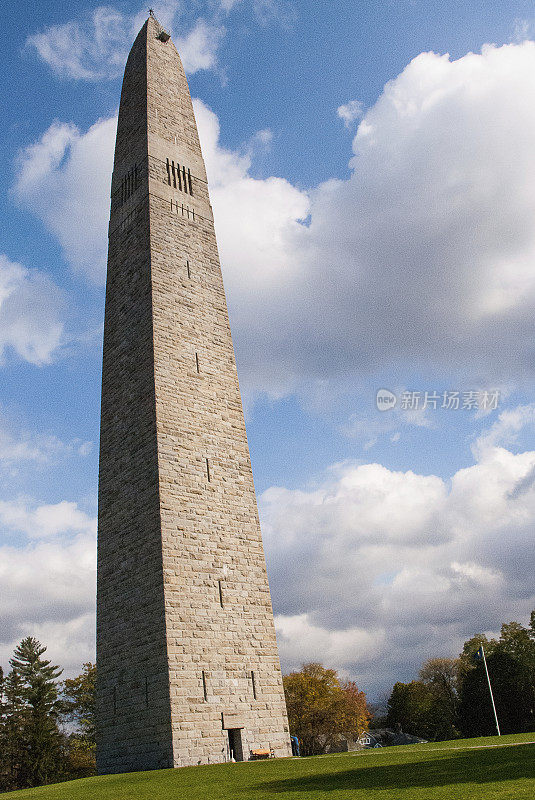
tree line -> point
(47, 726)
(451, 697)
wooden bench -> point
(261, 752)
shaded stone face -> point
(188, 669)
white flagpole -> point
(490, 690)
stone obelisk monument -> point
(188, 668)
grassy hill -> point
(469, 769)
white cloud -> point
(274, 11)
(198, 50)
(350, 112)
(228, 5)
(19, 445)
(371, 427)
(522, 30)
(373, 571)
(91, 49)
(254, 221)
(30, 313)
(505, 430)
(45, 520)
(48, 585)
(48, 591)
(64, 179)
(423, 256)
(96, 46)
(302, 641)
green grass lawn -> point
(469, 769)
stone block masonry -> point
(188, 668)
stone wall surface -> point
(185, 633)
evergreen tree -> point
(41, 755)
(79, 700)
(511, 664)
(409, 709)
(79, 706)
(12, 731)
(476, 717)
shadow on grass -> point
(478, 766)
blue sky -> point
(375, 213)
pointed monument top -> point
(162, 34)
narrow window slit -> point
(204, 687)
(184, 179)
(187, 262)
(179, 178)
(220, 586)
(189, 183)
(208, 470)
(253, 684)
(168, 173)
(197, 362)
(174, 174)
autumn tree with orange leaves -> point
(322, 709)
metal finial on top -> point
(151, 12)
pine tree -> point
(79, 708)
(11, 731)
(41, 755)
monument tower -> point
(188, 668)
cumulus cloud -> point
(48, 584)
(31, 308)
(64, 179)
(373, 571)
(350, 112)
(96, 46)
(198, 50)
(45, 520)
(267, 210)
(423, 256)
